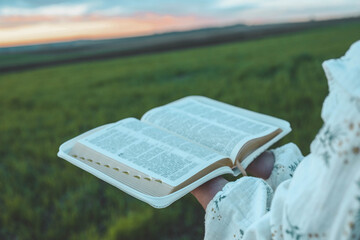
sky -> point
(24, 22)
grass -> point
(44, 197)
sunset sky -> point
(40, 21)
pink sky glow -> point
(24, 22)
(23, 30)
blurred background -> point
(69, 66)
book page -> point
(152, 151)
(217, 128)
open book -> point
(174, 148)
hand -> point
(208, 190)
(261, 167)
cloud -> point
(119, 7)
(226, 4)
(265, 11)
(51, 10)
(25, 21)
(285, 3)
(93, 27)
(39, 3)
(112, 11)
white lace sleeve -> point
(322, 199)
(245, 202)
(287, 158)
(236, 207)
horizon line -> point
(105, 37)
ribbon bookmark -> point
(242, 170)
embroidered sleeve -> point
(236, 207)
(287, 158)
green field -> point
(44, 197)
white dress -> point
(321, 199)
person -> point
(296, 197)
